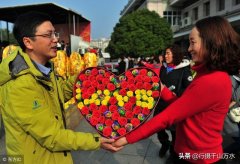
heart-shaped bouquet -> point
(115, 105)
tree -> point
(4, 37)
(141, 33)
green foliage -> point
(141, 33)
(4, 37)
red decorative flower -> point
(91, 78)
(121, 131)
(147, 79)
(129, 115)
(113, 108)
(103, 108)
(94, 120)
(129, 74)
(123, 92)
(111, 87)
(143, 72)
(85, 96)
(105, 81)
(139, 78)
(94, 72)
(94, 83)
(87, 83)
(107, 131)
(96, 113)
(91, 90)
(128, 106)
(137, 110)
(82, 77)
(155, 94)
(100, 87)
(139, 85)
(108, 122)
(135, 122)
(99, 78)
(132, 87)
(93, 106)
(124, 85)
(147, 86)
(131, 80)
(133, 100)
(102, 119)
(113, 101)
(122, 121)
(145, 111)
(115, 116)
(85, 110)
(155, 79)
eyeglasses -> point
(52, 35)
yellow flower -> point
(86, 101)
(78, 96)
(149, 93)
(143, 91)
(99, 92)
(94, 96)
(125, 99)
(138, 103)
(138, 97)
(138, 92)
(144, 97)
(104, 102)
(78, 90)
(97, 102)
(91, 101)
(119, 97)
(80, 105)
(107, 98)
(106, 92)
(115, 93)
(150, 99)
(130, 93)
(144, 104)
(120, 103)
(150, 105)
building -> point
(100, 43)
(183, 14)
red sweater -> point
(199, 114)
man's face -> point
(44, 44)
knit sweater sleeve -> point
(201, 95)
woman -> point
(201, 110)
(175, 74)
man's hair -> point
(26, 25)
(177, 53)
(220, 44)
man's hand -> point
(120, 142)
(107, 144)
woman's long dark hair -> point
(220, 44)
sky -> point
(103, 14)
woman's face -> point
(160, 58)
(169, 56)
(195, 46)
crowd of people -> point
(193, 109)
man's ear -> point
(27, 42)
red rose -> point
(139, 85)
(143, 72)
(155, 94)
(105, 81)
(96, 113)
(87, 83)
(113, 108)
(122, 121)
(82, 77)
(100, 87)
(137, 110)
(102, 119)
(115, 116)
(91, 78)
(121, 131)
(108, 122)
(147, 79)
(94, 71)
(94, 83)
(139, 78)
(132, 87)
(147, 86)
(84, 110)
(124, 85)
(112, 100)
(85, 95)
(103, 108)
(133, 100)
(93, 106)
(111, 87)
(107, 74)
(128, 106)
(94, 120)
(99, 78)
(135, 122)
(155, 79)
(107, 131)
(129, 74)
(145, 111)
(123, 92)
(91, 90)
(129, 115)
(131, 80)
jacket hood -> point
(16, 64)
(184, 63)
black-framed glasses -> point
(52, 35)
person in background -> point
(200, 112)
(156, 65)
(32, 98)
(175, 74)
(127, 63)
(121, 65)
(130, 62)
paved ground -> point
(144, 152)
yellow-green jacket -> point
(31, 107)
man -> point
(32, 98)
